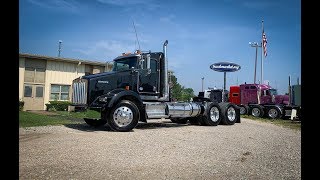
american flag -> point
(264, 43)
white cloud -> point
(121, 2)
(70, 5)
(107, 49)
(259, 4)
(149, 4)
(168, 19)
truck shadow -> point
(141, 126)
(87, 128)
(156, 125)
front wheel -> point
(124, 116)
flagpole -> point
(261, 80)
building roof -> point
(42, 57)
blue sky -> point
(200, 33)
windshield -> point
(273, 92)
(124, 64)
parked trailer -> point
(137, 89)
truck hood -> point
(91, 76)
(281, 99)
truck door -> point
(266, 97)
(149, 77)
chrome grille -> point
(79, 92)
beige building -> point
(44, 78)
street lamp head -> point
(253, 44)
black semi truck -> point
(137, 89)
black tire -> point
(95, 122)
(230, 113)
(128, 120)
(273, 113)
(257, 111)
(244, 109)
(179, 120)
(212, 115)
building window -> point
(27, 91)
(34, 75)
(59, 92)
(39, 91)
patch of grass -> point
(80, 115)
(29, 119)
(280, 122)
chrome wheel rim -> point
(122, 116)
(242, 110)
(256, 112)
(214, 114)
(231, 113)
(273, 113)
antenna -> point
(136, 33)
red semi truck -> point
(262, 100)
(259, 100)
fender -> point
(108, 100)
(115, 95)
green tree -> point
(187, 94)
(178, 92)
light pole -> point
(202, 83)
(59, 50)
(256, 45)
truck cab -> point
(261, 94)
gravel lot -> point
(161, 150)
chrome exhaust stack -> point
(165, 90)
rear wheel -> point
(257, 111)
(212, 116)
(273, 113)
(243, 109)
(230, 114)
(124, 116)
